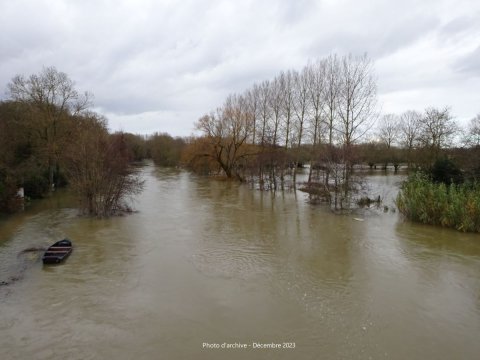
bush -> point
(456, 206)
(446, 171)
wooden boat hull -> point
(58, 252)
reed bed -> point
(427, 202)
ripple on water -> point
(234, 261)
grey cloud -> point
(469, 64)
(462, 24)
(181, 59)
(405, 33)
(292, 12)
(378, 38)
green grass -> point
(455, 206)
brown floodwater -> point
(215, 262)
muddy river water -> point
(205, 265)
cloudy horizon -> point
(157, 66)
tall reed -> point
(456, 206)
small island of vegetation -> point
(441, 198)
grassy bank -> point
(455, 206)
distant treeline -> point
(324, 116)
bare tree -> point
(252, 98)
(286, 86)
(316, 89)
(52, 96)
(275, 101)
(330, 112)
(316, 84)
(226, 132)
(388, 129)
(264, 110)
(291, 130)
(356, 98)
(355, 105)
(331, 92)
(333, 100)
(300, 103)
(410, 124)
(437, 131)
(98, 168)
(473, 136)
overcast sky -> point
(160, 65)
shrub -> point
(446, 171)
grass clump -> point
(455, 205)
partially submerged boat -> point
(57, 252)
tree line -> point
(329, 102)
(422, 139)
(324, 115)
(49, 138)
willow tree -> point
(225, 134)
(52, 97)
